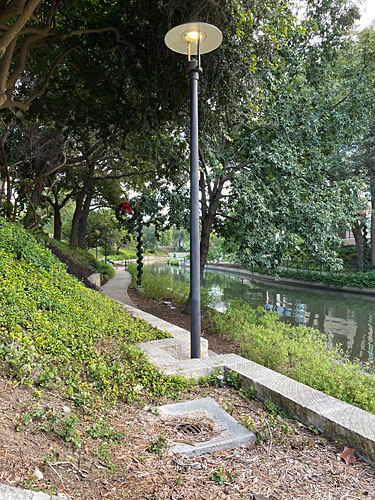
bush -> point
(298, 352)
(360, 280)
(56, 333)
(164, 287)
(81, 263)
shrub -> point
(164, 287)
(360, 280)
(298, 352)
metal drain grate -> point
(189, 429)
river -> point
(346, 319)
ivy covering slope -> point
(81, 263)
(54, 332)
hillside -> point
(57, 333)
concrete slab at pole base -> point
(178, 333)
(12, 493)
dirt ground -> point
(132, 461)
(289, 461)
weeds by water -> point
(298, 352)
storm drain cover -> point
(189, 429)
(229, 434)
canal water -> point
(346, 319)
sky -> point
(368, 13)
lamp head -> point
(191, 38)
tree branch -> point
(121, 176)
(25, 13)
(26, 104)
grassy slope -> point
(56, 333)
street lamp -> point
(194, 39)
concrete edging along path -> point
(354, 427)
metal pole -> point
(193, 70)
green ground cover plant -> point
(173, 261)
(55, 333)
(298, 352)
(120, 255)
(80, 257)
(164, 287)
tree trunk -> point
(359, 244)
(57, 222)
(79, 206)
(205, 241)
(34, 200)
(82, 223)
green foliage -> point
(159, 287)
(274, 409)
(120, 255)
(158, 445)
(222, 476)
(212, 380)
(233, 379)
(51, 421)
(302, 259)
(298, 352)
(13, 239)
(101, 430)
(103, 452)
(82, 258)
(173, 261)
(360, 279)
(103, 229)
(56, 333)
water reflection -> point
(347, 319)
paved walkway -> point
(117, 287)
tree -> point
(265, 144)
(356, 76)
(150, 240)
(103, 230)
(53, 30)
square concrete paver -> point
(232, 434)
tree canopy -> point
(94, 106)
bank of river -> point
(347, 319)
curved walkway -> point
(117, 287)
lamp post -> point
(194, 39)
